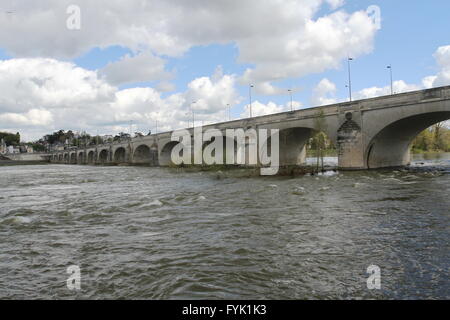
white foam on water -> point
(155, 203)
(22, 220)
(393, 180)
(299, 191)
(328, 173)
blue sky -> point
(410, 35)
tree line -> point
(10, 139)
(433, 139)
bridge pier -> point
(350, 144)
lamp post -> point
(392, 84)
(290, 93)
(349, 78)
(192, 109)
(250, 98)
(229, 112)
(188, 114)
(131, 129)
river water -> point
(155, 233)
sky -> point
(106, 67)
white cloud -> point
(41, 95)
(281, 38)
(212, 95)
(442, 78)
(428, 82)
(142, 67)
(399, 86)
(29, 83)
(314, 47)
(165, 86)
(442, 57)
(334, 4)
(34, 117)
(261, 109)
(324, 93)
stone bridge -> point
(371, 133)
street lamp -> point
(290, 93)
(250, 98)
(349, 78)
(131, 128)
(188, 121)
(192, 109)
(229, 111)
(392, 84)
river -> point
(156, 233)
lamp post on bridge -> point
(290, 93)
(192, 110)
(250, 98)
(349, 78)
(392, 84)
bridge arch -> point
(80, 157)
(60, 157)
(144, 154)
(103, 156)
(120, 155)
(91, 157)
(390, 146)
(292, 144)
(73, 158)
(165, 157)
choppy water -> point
(156, 233)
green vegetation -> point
(37, 147)
(69, 137)
(319, 139)
(59, 136)
(433, 139)
(10, 139)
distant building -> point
(12, 149)
(59, 147)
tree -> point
(438, 143)
(10, 139)
(435, 138)
(319, 138)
